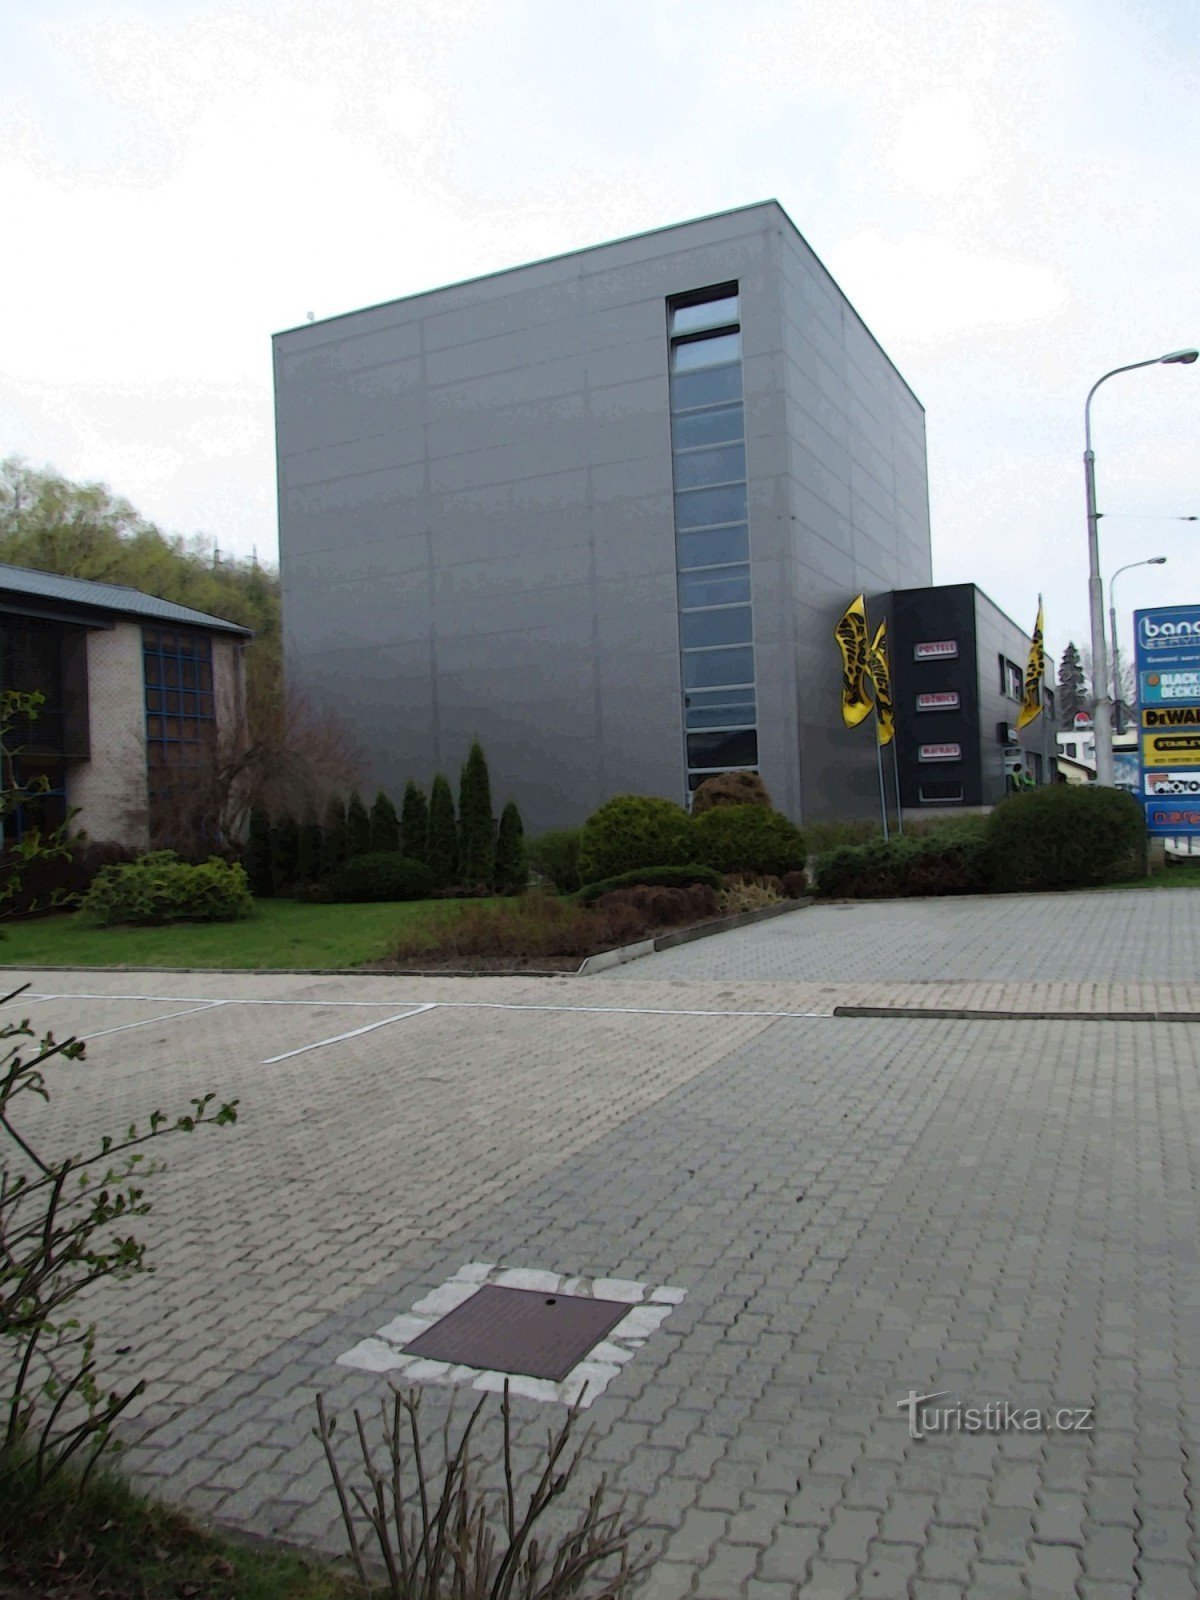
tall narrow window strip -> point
(712, 534)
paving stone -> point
(1052, 1571)
(1160, 1581)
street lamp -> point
(1151, 561)
(1102, 720)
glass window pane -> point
(726, 465)
(707, 427)
(700, 508)
(738, 749)
(726, 716)
(724, 587)
(731, 625)
(704, 669)
(706, 388)
(706, 352)
(713, 547)
(708, 314)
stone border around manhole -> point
(649, 1308)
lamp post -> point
(1102, 718)
(1151, 561)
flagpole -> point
(896, 771)
(882, 790)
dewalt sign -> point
(1171, 717)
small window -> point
(705, 508)
(726, 625)
(707, 427)
(707, 314)
(1012, 680)
(720, 586)
(714, 547)
(710, 352)
(940, 794)
(708, 387)
(738, 749)
(699, 467)
(709, 669)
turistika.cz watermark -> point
(997, 1416)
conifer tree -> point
(333, 839)
(414, 822)
(285, 849)
(476, 824)
(358, 827)
(385, 825)
(512, 864)
(441, 851)
(257, 859)
(308, 852)
(1072, 686)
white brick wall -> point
(110, 789)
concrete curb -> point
(961, 1014)
(606, 959)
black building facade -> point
(958, 664)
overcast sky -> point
(1006, 192)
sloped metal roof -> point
(111, 597)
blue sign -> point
(1167, 658)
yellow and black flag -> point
(851, 635)
(881, 679)
(1035, 667)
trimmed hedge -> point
(1066, 837)
(382, 875)
(631, 831)
(159, 887)
(749, 838)
(654, 878)
(936, 864)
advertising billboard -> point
(1167, 659)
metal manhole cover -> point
(524, 1331)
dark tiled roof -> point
(107, 597)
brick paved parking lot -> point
(1004, 1211)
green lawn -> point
(281, 933)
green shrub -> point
(749, 838)
(512, 862)
(333, 839)
(476, 824)
(414, 823)
(385, 826)
(631, 831)
(257, 858)
(948, 863)
(653, 877)
(555, 855)
(730, 789)
(382, 876)
(358, 828)
(161, 888)
(441, 852)
(1065, 836)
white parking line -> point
(353, 1034)
(148, 1021)
(457, 1005)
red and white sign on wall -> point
(946, 701)
(936, 650)
(940, 752)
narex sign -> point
(1168, 667)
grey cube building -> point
(602, 511)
